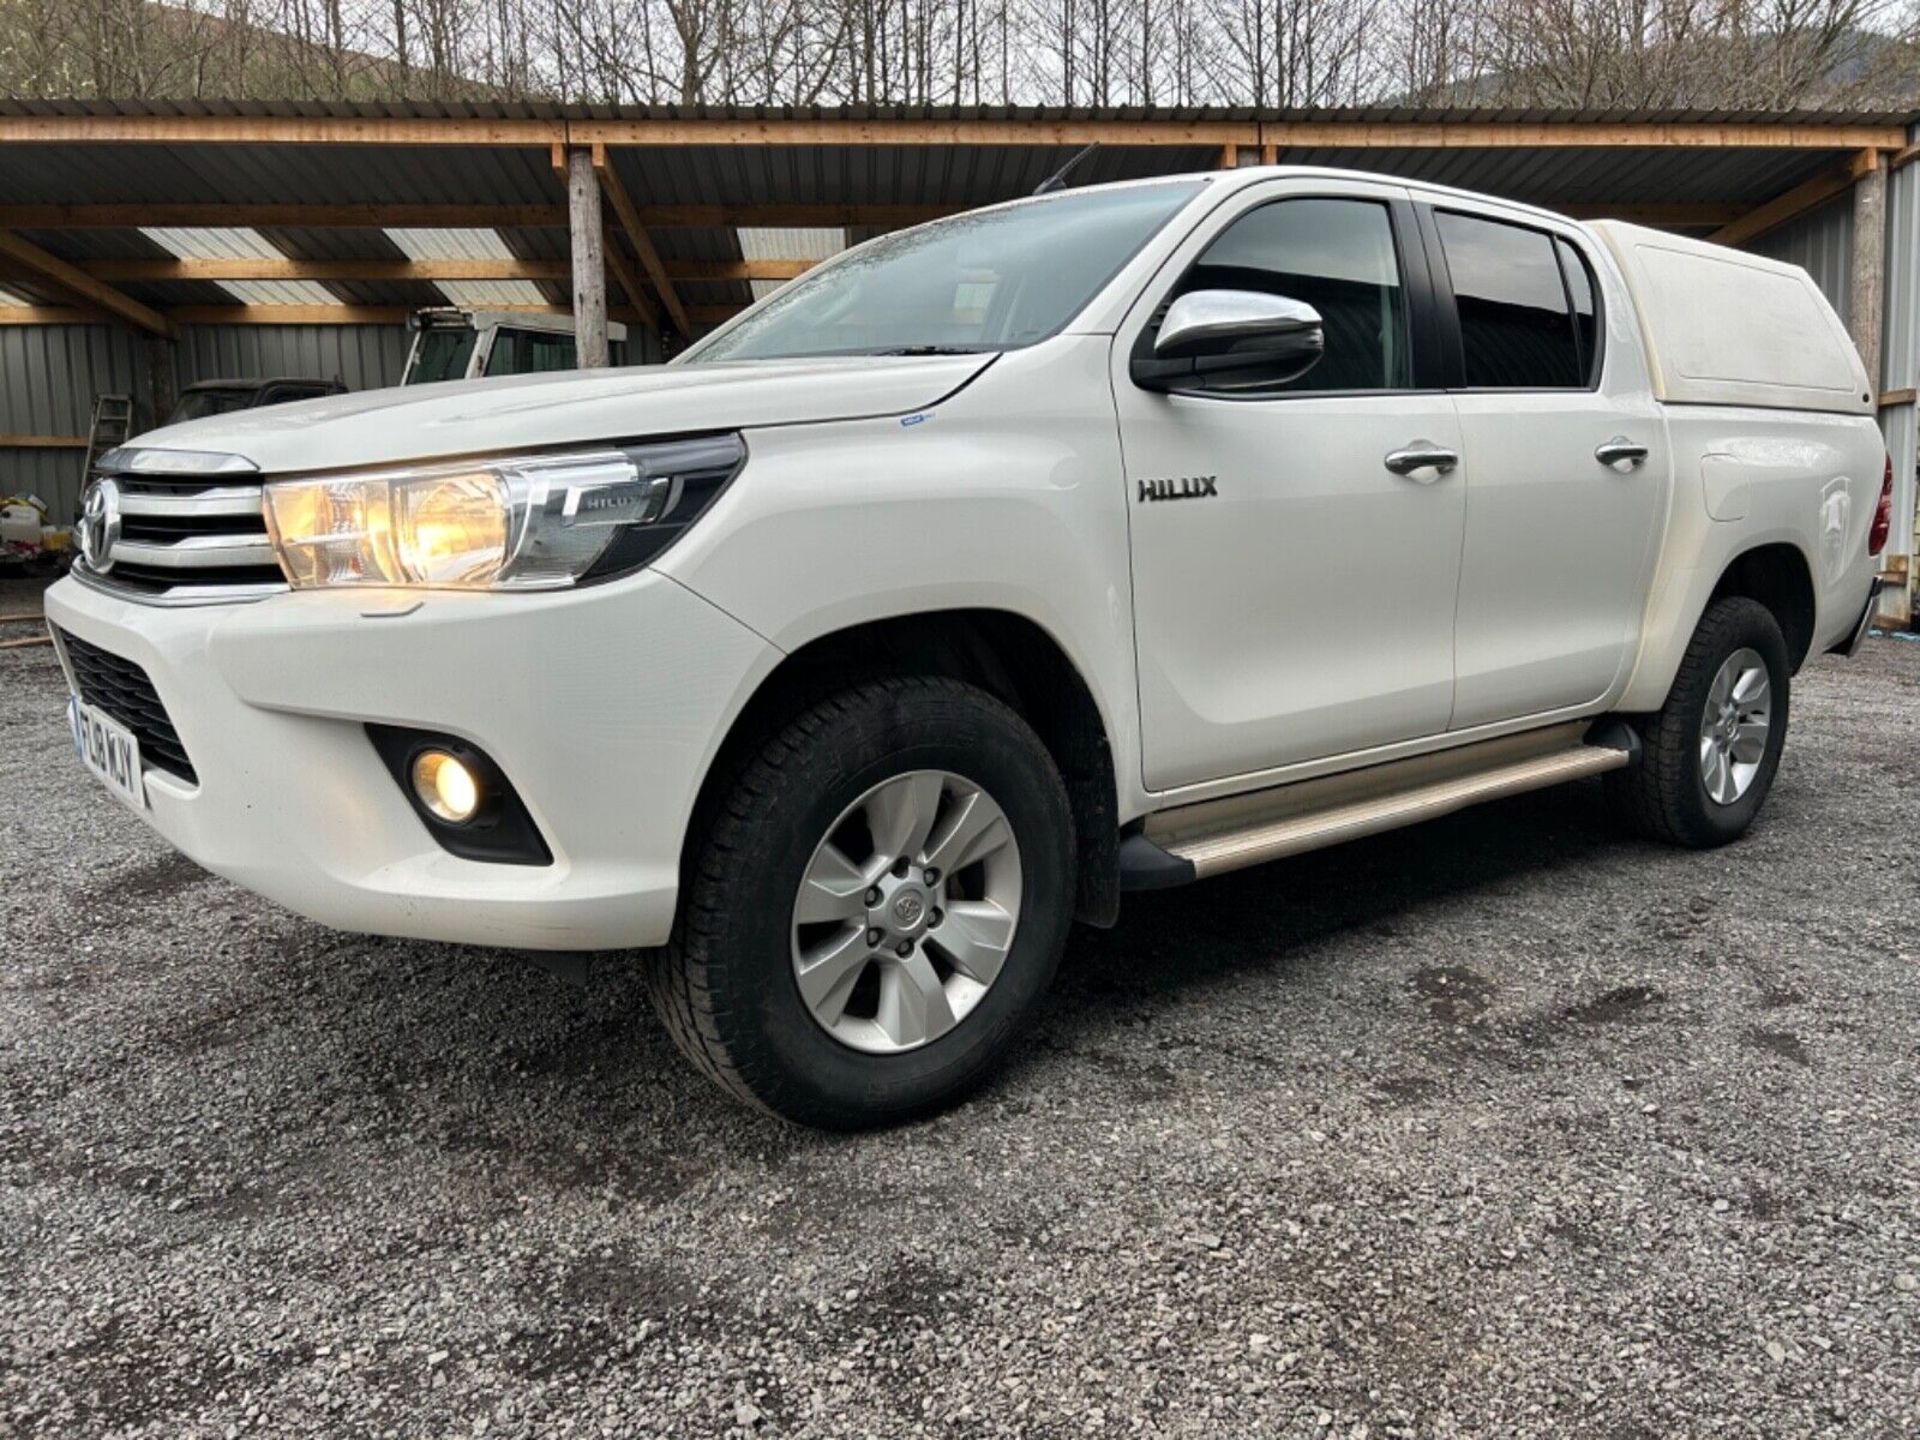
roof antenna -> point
(1058, 179)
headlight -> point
(533, 522)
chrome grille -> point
(171, 536)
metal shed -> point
(140, 242)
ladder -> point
(112, 425)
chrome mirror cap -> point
(1210, 320)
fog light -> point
(447, 786)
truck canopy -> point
(1727, 328)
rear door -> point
(1293, 594)
(1565, 463)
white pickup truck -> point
(1100, 541)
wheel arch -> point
(1771, 568)
(1779, 577)
(1005, 653)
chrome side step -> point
(1220, 835)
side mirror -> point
(1233, 340)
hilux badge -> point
(1187, 487)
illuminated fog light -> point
(447, 786)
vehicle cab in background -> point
(450, 343)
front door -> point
(1294, 586)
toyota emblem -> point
(99, 525)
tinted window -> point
(992, 280)
(281, 394)
(1586, 320)
(1337, 256)
(442, 355)
(530, 352)
(198, 404)
(1515, 325)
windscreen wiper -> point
(935, 350)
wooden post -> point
(163, 380)
(589, 260)
(1869, 266)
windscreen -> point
(198, 404)
(442, 354)
(993, 280)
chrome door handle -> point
(1620, 454)
(1421, 455)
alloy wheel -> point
(1734, 726)
(906, 912)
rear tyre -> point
(1709, 754)
(876, 902)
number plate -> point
(109, 750)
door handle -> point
(1620, 454)
(1421, 455)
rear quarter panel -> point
(1744, 478)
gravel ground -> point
(1503, 1126)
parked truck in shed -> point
(1101, 541)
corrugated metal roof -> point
(236, 243)
(956, 175)
(468, 245)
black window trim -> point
(1447, 313)
(1426, 353)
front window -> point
(1336, 255)
(530, 352)
(992, 280)
(442, 354)
(198, 404)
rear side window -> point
(1586, 317)
(1517, 328)
(1337, 256)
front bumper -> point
(603, 707)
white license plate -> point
(109, 750)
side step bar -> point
(1215, 836)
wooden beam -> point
(52, 315)
(629, 281)
(275, 130)
(1701, 216)
(312, 314)
(452, 217)
(78, 283)
(396, 271)
(1807, 195)
(406, 271)
(322, 314)
(43, 442)
(738, 269)
(1902, 158)
(636, 230)
(1009, 130)
(1214, 134)
(1891, 398)
(371, 216)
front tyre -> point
(1709, 754)
(875, 906)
